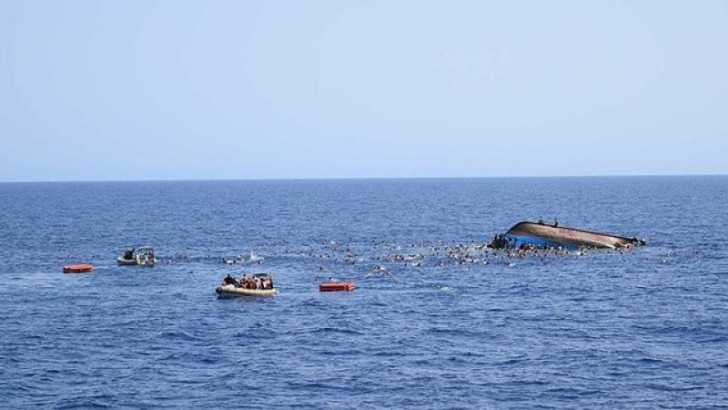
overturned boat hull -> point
(541, 235)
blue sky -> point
(157, 90)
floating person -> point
(255, 258)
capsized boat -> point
(540, 234)
(259, 284)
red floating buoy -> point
(78, 268)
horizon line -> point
(361, 178)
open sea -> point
(445, 324)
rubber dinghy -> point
(259, 284)
(232, 290)
(539, 234)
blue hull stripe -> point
(519, 240)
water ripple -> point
(423, 329)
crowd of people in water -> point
(381, 259)
(384, 258)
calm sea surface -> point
(643, 329)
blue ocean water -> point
(641, 329)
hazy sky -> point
(128, 90)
